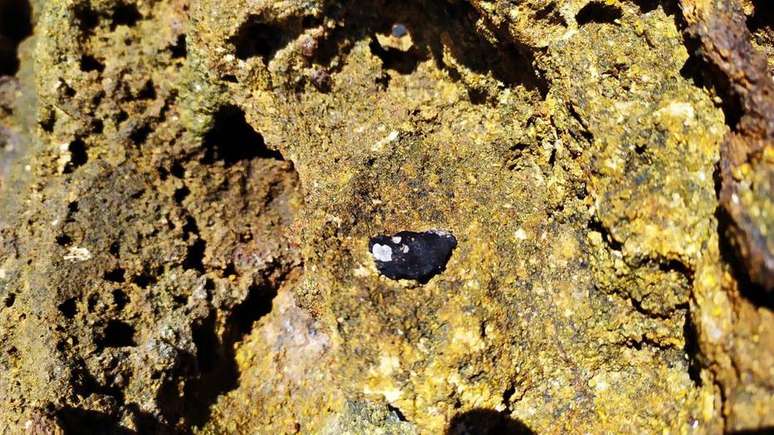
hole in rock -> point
(15, 26)
(125, 15)
(258, 304)
(762, 17)
(86, 18)
(78, 156)
(140, 134)
(115, 249)
(598, 12)
(486, 422)
(647, 5)
(68, 308)
(232, 139)
(396, 60)
(256, 38)
(148, 92)
(194, 258)
(144, 280)
(115, 275)
(120, 299)
(90, 63)
(116, 334)
(63, 240)
(10, 300)
(181, 193)
(180, 49)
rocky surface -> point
(188, 191)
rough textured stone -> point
(188, 191)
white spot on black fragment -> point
(381, 253)
(411, 255)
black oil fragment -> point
(410, 255)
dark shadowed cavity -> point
(15, 26)
(486, 422)
(232, 139)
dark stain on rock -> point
(411, 255)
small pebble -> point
(411, 255)
(308, 46)
(321, 80)
(399, 30)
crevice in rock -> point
(639, 308)
(85, 384)
(676, 266)
(643, 342)
(514, 155)
(194, 258)
(584, 129)
(766, 430)
(190, 228)
(181, 194)
(72, 208)
(257, 304)
(761, 25)
(64, 240)
(147, 92)
(752, 291)
(121, 14)
(115, 249)
(607, 237)
(216, 355)
(86, 17)
(397, 412)
(508, 396)
(692, 350)
(708, 76)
